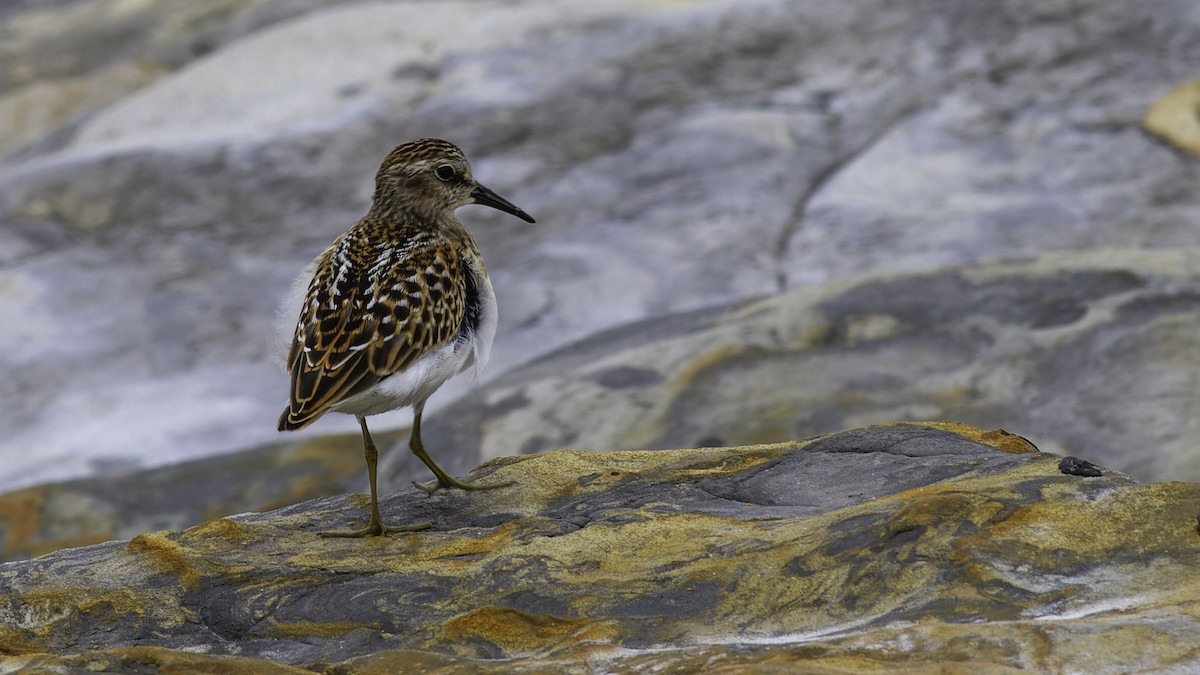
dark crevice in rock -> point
(821, 179)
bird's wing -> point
(370, 311)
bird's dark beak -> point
(483, 195)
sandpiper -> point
(395, 307)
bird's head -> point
(431, 177)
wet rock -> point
(934, 545)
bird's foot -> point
(375, 529)
(452, 482)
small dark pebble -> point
(1073, 466)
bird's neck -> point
(398, 216)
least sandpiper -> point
(395, 307)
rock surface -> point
(1097, 350)
(43, 518)
(177, 163)
(937, 548)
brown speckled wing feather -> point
(371, 310)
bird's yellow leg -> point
(376, 526)
(444, 480)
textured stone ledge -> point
(930, 546)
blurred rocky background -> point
(758, 220)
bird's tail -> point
(292, 420)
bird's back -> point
(381, 296)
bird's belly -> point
(415, 384)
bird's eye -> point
(444, 172)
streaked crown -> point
(430, 178)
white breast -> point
(414, 384)
(489, 316)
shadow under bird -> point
(395, 307)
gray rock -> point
(677, 156)
(64, 60)
(1090, 353)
